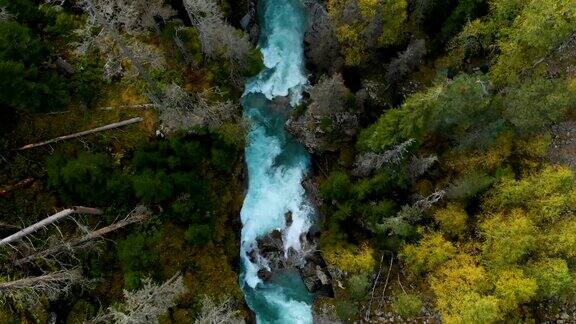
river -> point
(276, 164)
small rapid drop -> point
(276, 165)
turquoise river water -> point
(276, 164)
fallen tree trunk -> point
(84, 133)
(18, 185)
(139, 214)
(47, 221)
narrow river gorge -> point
(276, 167)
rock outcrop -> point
(269, 253)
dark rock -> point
(252, 256)
(265, 274)
(316, 276)
(254, 34)
(288, 218)
(292, 257)
(271, 242)
(312, 191)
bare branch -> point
(369, 162)
(427, 202)
(326, 117)
(420, 165)
(182, 47)
(323, 47)
(328, 95)
(5, 15)
(110, 19)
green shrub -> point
(537, 104)
(552, 277)
(81, 312)
(407, 305)
(81, 180)
(346, 310)
(336, 187)
(199, 234)
(222, 159)
(87, 82)
(453, 219)
(153, 187)
(137, 252)
(27, 83)
(132, 280)
(358, 286)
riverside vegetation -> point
(442, 159)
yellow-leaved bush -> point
(452, 219)
(351, 259)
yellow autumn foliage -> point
(351, 259)
(432, 251)
(452, 219)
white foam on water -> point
(282, 52)
(275, 168)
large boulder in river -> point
(307, 261)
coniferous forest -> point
(439, 139)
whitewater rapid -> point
(276, 163)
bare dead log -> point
(140, 106)
(83, 133)
(20, 184)
(47, 221)
(139, 214)
(5, 15)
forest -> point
(442, 160)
